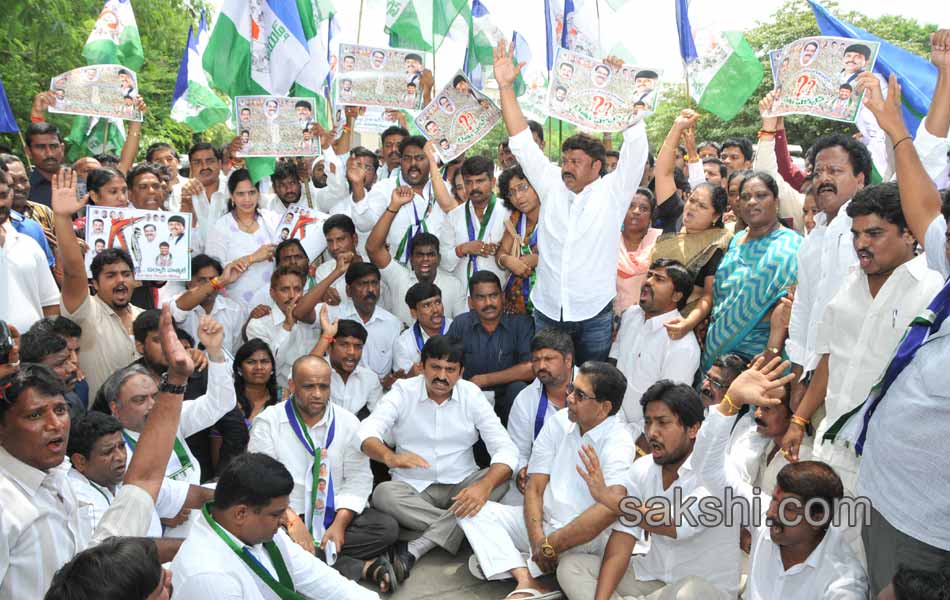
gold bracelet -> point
(641, 452)
(728, 401)
(803, 423)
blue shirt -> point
(507, 346)
(34, 230)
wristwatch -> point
(170, 388)
(547, 550)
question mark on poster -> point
(467, 121)
(806, 85)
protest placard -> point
(275, 126)
(816, 76)
(458, 116)
(595, 96)
(385, 77)
(304, 224)
(158, 241)
(97, 91)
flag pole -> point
(105, 136)
(359, 24)
(600, 44)
(25, 153)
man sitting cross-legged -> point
(559, 514)
(317, 441)
(434, 419)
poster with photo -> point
(817, 76)
(385, 77)
(457, 118)
(157, 240)
(596, 97)
(304, 224)
(374, 120)
(97, 91)
(275, 126)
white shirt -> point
(229, 313)
(399, 279)
(825, 258)
(935, 241)
(933, 154)
(524, 411)
(442, 434)
(324, 270)
(494, 231)
(406, 350)
(362, 388)
(28, 285)
(208, 211)
(860, 333)
(556, 455)
(206, 568)
(579, 233)
(273, 435)
(904, 463)
(226, 242)
(382, 329)
(40, 529)
(270, 329)
(349, 207)
(367, 212)
(831, 570)
(645, 354)
(711, 553)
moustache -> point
(828, 187)
(371, 297)
(566, 176)
(442, 381)
(759, 422)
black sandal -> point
(373, 574)
(402, 560)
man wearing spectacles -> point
(559, 515)
(717, 379)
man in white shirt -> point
(362, 290)
(238, 549)
(30, 292)
(422, 212)
(900, 430)
(863, 323)
(205, 195)
(286, 287)
(425, 258)
(288, 189)
(361, 168)
(130, 395)
(686, 559)
(290, 253)
(352, 386)
(202, 297)
(341, 524)
(390, 141)
(559, 517)
(433, 421)
(577, 231)
(552, 362)
(478, 225)
(424, 301)
(644, 351)
(825, 257)
(791, 557)
(343, 247)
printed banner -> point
(306, 225)
(594, 96)
(816, 76)
(275, 126)
(383, 77)
(97, 91)
(157, 240)
(457, 118)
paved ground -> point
(440, 575)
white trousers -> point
(577, 574)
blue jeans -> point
(591, 336)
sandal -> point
(373, 575)
(402, 560)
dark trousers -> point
(370, 534)
(888, 549)
(591, 337)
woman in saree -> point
(760, 264)
(636, 245)
(518, 249)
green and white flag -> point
(316, 18)
(421, 24)
(115, 37)
(114, 40)
(194, 103)
(725, 74)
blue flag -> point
(566, 24)
(916, 75)
(685, 32)
(7, 122)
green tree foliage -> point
(42, 38)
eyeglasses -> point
(716, 384)
(580, 395)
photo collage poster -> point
(457, 118)
(275, 126)
(158, 241)
(384, 77)
(97, 91)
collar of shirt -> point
(30, 478)
(276, 314)
(503, 323)
(347, 310)
(821, 219)
(595, 435)
(316, 428)
(423, 393)
(654, 324)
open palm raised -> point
(505, 69)
(64, 197)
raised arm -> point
(65, 205)
(920, 200)
(442, 194)
(131, 146)
(666, 158)
(938, 117)
(376, 242)
(506, 71)
(790, 199)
